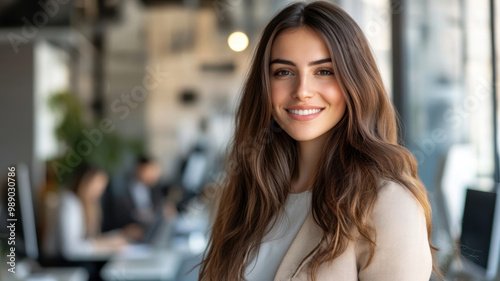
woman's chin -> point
(302, 137)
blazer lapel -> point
(305, 241)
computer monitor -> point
(459, 173)
(480, 237)
(22, 217)
(194, 172)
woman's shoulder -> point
(396, 210)
(396, 202)
(401, 240)
(68, 201)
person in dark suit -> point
(141, 200)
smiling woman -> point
(325, 192)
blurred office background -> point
(105, 82)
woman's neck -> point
(309, 154)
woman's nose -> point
(303, 88)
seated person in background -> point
(142, 200)
(80, 218)
(144, 195)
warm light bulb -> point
(237, 41)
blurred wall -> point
(17, 139)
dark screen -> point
(477, 225)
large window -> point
(449, 90)
(447, 105)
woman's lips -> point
(304, 114)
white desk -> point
(158, 264)
(50, 274)
(163, 259)
(146, 262)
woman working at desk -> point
(80, 218)
(317, 186)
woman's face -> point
(306, 97)
(93, 187)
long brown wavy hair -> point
(361, 150)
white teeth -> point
(305, 112)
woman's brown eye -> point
(325, 72)
(282, 73)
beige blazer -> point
(402, 251)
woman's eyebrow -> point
(319, 61)
(282, 61)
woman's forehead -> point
(302, 44)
